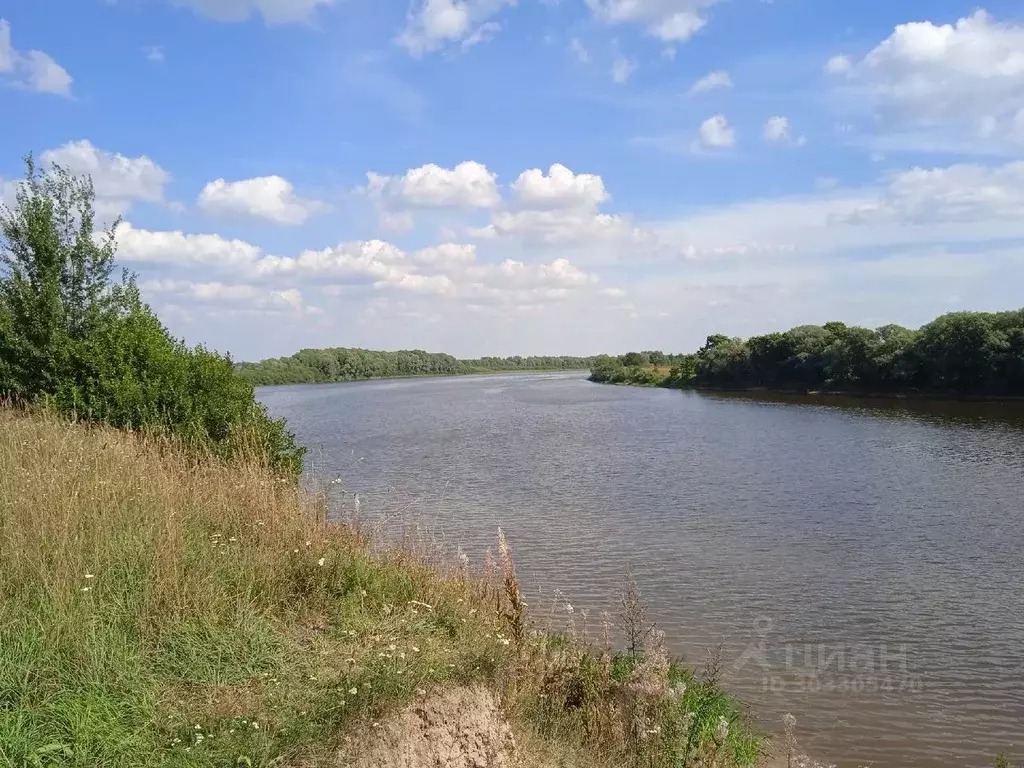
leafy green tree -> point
(74, 339)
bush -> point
(74, 339)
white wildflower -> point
(353, 691)
(321, 561)
(90, 576)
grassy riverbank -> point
(165, 611)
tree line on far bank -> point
(968, 353)
(77, 340)
(320, 366)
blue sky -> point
(531, 176)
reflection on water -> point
(861, 561)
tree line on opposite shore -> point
(965, 353)
(320, 366)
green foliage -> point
(77, 340)
(318, 366)
(963, 353)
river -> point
(861, 562)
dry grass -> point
(159, 611)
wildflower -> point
(232, 539)
(90, 576)
(198, 728)
(357, 503)
(309, 544)
(568, 607)
(255, 725)
(504, 641)
(362, 592)
(86, 589)
(392, 647)
(376, 725)
(321, 561)
(336, 481)
(401, 655)
(295, 551)
(420, 692)
(353, 691)
(415, 649)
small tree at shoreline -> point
(78, 341)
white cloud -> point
(953, 194)
(273, 11)
(839, 65)
(267, 197)
(668, 20)
(711, 81)
(776, 129)
(119, 181)
(445, 256)
(560, 188)
(449, 269)
(154, 53)
(558, 227)
(434, 24)
(716, 132)
(230, 294)
(613, 292)
(622, 68)
(33, 70)
(467, 185)
(961, 81)
(579, 51)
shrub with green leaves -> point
(78, 340)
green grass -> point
(159, 611)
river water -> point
(861, 562)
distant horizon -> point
(596, 354)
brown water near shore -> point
(860, 559)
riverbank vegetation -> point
(77, 339)
(961, 353)
(170, 597)
(321, 366)
(165, 612)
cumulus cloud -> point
(434, 24)
(839, 65)
(230, 294)
(448, 269)
(33, 70)
(559, 188)
(964, 79)
(711, 81)
(776, 129)
(467, 185)
(266, 197)
(119, 181)
(668, 20)
(272, 11)
(716, 132)
(957, 193)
